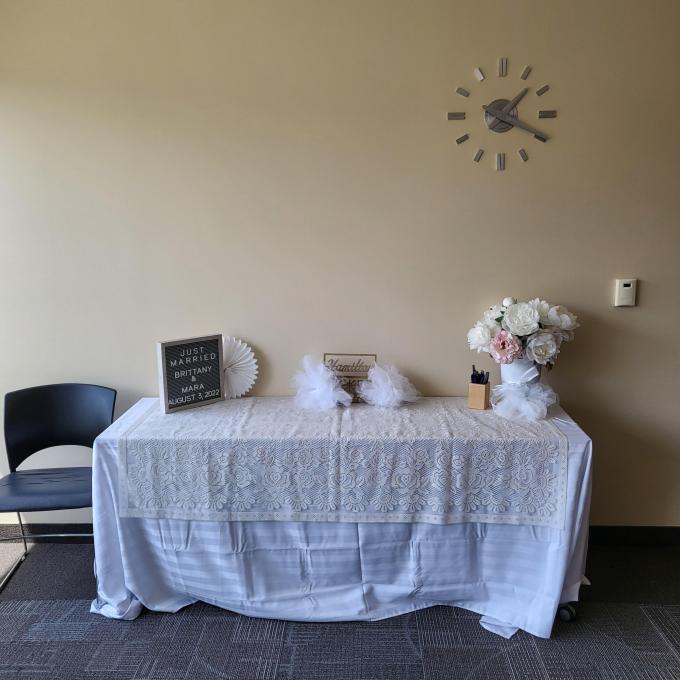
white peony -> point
(562, 318)
(489, 318)
(521, 319)
(543, 308)
(562, 336)
(494, 328)
(479, 337)
(542, 348)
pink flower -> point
(505, 348)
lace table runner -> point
(263, 458)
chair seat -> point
(46, 489)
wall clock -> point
(501, 115)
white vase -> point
(520, 371)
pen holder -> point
(478, 396)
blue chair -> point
(38, 418)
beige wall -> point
(284, 172)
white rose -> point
(521, 319)
(479, 337)
(543, 308)
(562, 318)
(489, 317)
(508, 301)
(542, 348)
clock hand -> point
(509, 107)
(515, 122)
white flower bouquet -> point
(533, 330)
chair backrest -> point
(54, 415)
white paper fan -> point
(240, 367)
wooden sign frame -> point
(192, 388)
(349, 378)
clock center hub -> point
(492, 122)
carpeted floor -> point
(628, 627)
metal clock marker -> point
(502, 67)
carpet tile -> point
(61, 639)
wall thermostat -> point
(625, 292)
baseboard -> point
(599, 535)
(11, 530)
(640, 536)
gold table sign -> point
(351, 369)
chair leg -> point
(16, 564)
(23, 535)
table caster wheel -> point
(566, 612)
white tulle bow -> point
(318, 388)
(386, 387)
(523, 401)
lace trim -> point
(433, 461)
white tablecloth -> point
(514, 575)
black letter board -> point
(190, 372)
